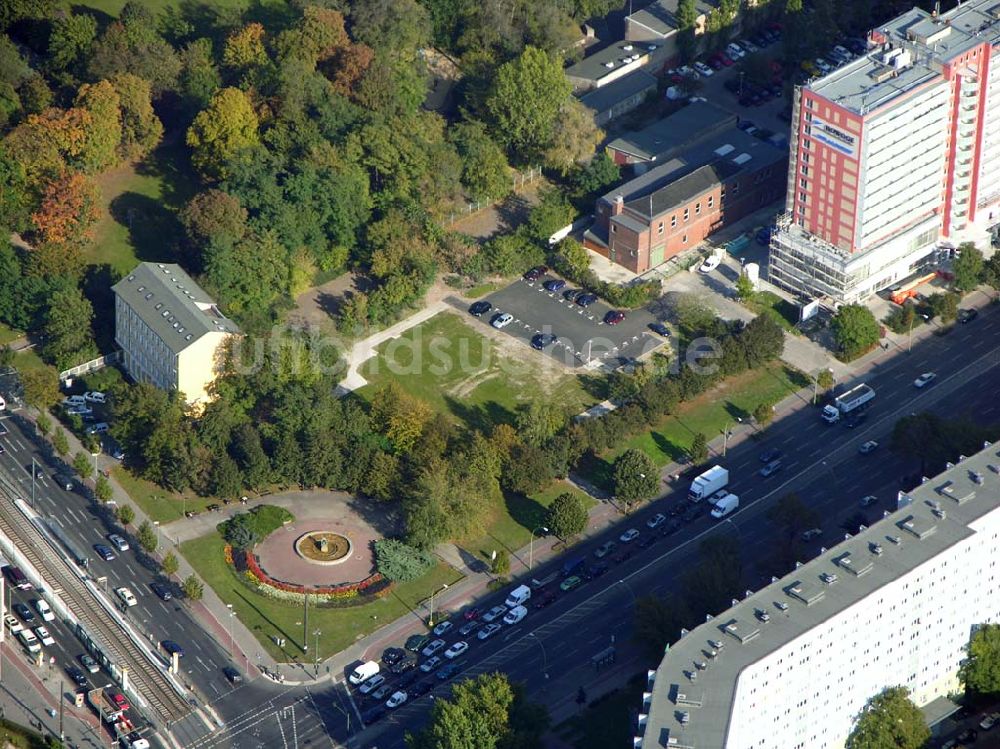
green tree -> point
(103, 490)
(500, 565)
(403, 26)
(401, 562)
(763, 414)
(658, 622)
(991, 269)
(126, 514)
(744, 288)
(104, 126)
(82, 465)
(43, 423)
(968, 267)
(567, 516)
(41, 387)
(199, 76)
(70, 339)
(889, 720)
(944, 306)
(855, 330)
(134, 46)
(221, 131)
(980, 671)
(552, 212)
(792, 515)
(141, 128)
(70, 40)
(524, 104)
(193, 588)
(824, 379)
(170, 565)
(599, 173)
(636, 477)
(485, 173)
(575, 257)
(60, 442)
(477, 715)
(687, 17)
(699, 449)
(574, 139)
(147, 537)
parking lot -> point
(582, 335)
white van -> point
(515, 615)
(363, 672)
(29, 640)
(518, 596)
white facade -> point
(989, 166)
(791, 665)
(903, 167)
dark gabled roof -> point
(682, 129)
(172, 304)
(683, 190)
(661, 16)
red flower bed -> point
(254, 568)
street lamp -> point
(726, 434)
(34, 472)
(430, 619)
(317, 633)
(531, 544)
(545, 658)
(232, 645)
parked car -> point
(502, 320)
(989, 721)
(587, 299)
(628, 536)
(415, 643)
(703, 69)
(76, 676)
(13, 625)
(397, 699)
(44, 610)
(456, 649)
(449, 670)
(26, 614)
(604, 549)
(432, 647)
(711, 263)
(535, 273)
(104, 552)
(541, 340)
(94, 396)
(468, 627)
(967, 315)
(393, 655)
(570, 582)
(613, 317)
(233, 676)
(407, 663)
(172, 648)
(596, 571)
(658, 327)
(770, 469)
(443, 627)
(430, 664)
(372, 683)
(126, 596)
(735, 51)
(571, 295)
(925, 379)
(44, 635)
(162, 591)
(478, 309)
(89, 664)
(120, 543)
(555, 284)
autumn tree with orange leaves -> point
(62, 224)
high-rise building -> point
(892, 155)
(791, 665)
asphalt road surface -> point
(87, 524)
(582, 333)
(551, 650)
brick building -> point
(679, 203)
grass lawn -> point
(709, 414)
(513, 523)
(139, 211)
(780, 310)
(157, 503)
(340, 627)
(7, 335)
(114, 7)
(482, 290)
(457, 371)
(607, 722)
(28, 359)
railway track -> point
(148, 680)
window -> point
(697, 208)
(659, 229)
(803, 183)
(673, 221)
(684, 239)
(802, 197)
(687, 214)
(711, 201)
(805, 171)
(613, 228)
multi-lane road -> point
(551, 650)
(252, 714)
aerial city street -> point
(418, 374)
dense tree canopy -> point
(980, 671)
(889, 720)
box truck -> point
(708, 483)
(855, 399)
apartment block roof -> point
(169, 301)
(678, 131)
(661, 16)
(606, 97)
(692, 696)
(911, 50)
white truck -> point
(725, 506)
(854, 399)
(708, 483)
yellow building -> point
(170, 332)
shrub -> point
(401, 562)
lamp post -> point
(232, 645)
(545, 658)
(726, 434)
(34, 472)
(316, 633)
(531, 544)
(430, 619)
